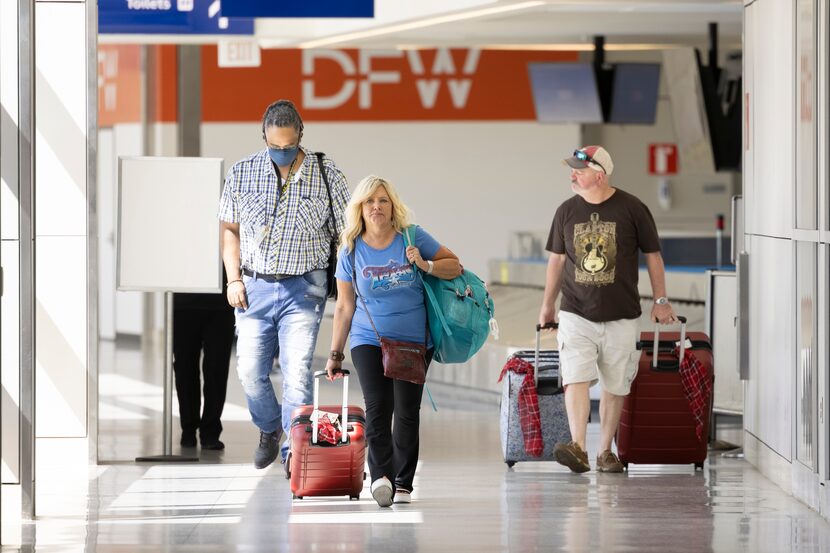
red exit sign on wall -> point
(662, 159)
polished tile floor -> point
(465, 498)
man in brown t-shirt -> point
(595, 240)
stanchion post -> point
(167, 410)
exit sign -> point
(238, 53)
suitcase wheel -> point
(364, 476)
(698, 466)
(625, 465)
(296, 496)
(510, 464)
(355, 497)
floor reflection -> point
(465, 498)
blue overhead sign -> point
(299, 8)
(179, 17)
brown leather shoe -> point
(608, 462)
(572, 456)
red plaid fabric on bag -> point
(697, 386)
(531, 423)
(327, 431)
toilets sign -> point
(181, 17)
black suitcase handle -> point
(667, 346)
(539, 327)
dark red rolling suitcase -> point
(322, 468)
(657, 425)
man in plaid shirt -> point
(276, 231)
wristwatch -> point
(663, 300)
(337, 355)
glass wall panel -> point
(806, 364)
(806, 189)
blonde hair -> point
(354, 211)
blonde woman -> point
(374, 249)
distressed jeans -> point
(282, 318)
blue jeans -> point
(282, 318)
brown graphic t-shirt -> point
(602, 244)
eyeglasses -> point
(287, 148)
(582, 156)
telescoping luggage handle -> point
(657, 341)
(539, 329)
(344, 417)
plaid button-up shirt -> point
(289, 235)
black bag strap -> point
(357, 293)
(320, 157)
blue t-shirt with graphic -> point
(392, 291)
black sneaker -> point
(188, 439)
(215, 445)
(269, 448)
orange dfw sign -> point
(376, 85)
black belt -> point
(263, 276)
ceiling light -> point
(560, 47)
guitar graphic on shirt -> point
(594, 260)
(595, 245)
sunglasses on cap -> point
(582, 156)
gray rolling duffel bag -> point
(551, 397)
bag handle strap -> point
(320, 156)
(430, 295)
(409, 240)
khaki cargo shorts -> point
(599, 352)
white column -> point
(60, 219)
(47, 314)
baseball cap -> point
(595, 157)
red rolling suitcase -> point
(657, 424)
(321, 468)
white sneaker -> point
(382, 491)
(402, 496)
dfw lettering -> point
(361, 77)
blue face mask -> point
(284, 157)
